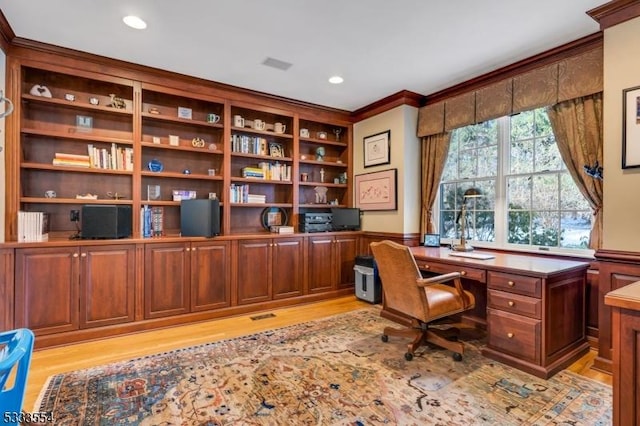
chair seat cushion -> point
(443, 300)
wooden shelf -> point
(323, 142)
(263, 205)
(77, 135)
(178, 120)
(51, 167)
(260, 181)
(181, 148)
(85, 106)
(42, 200)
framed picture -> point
(432, 240)
(377, 190)
(184, 113)
(84, 122)
(631, 127)
(376, 149)
(276, 150)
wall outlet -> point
(74, 215)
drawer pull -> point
(511, 303)
(510, 335)
(511, 283)
(463, 273)
(425, 266)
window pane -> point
(487, 133)
(576, 227)
(448, 196)
(519, 226)
(488, 161)
(519, 193)
(522, 125)
(545, 229)
(543, 125)
(468, 164)
(570, 196)
(484, 226)
(521, 156)
(447, 224)
(467, 137)
(547, 155)
(545, 192)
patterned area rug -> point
(334, 371)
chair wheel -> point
(384, 338)
(457, 356)
(408, 356)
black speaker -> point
(105, 221)
(199, 218)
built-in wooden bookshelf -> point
(169, 135)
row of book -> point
(268, 171)
(151, 221)
(33, 226)
(115, 158)
(240, 194)
(249, 144)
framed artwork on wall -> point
(377, 190)
(631, 127)
(376, 149)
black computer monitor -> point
(345, 219)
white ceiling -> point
(380, 47)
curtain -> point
(434, 155)
(577, 125)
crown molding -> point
(615, 12)
(403, 97)
(6, 33)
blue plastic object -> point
(16, 347)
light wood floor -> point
(52, 361)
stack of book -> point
(116, 158)
(151, 221)
(253, 172)
(282, 229)
(256, 198)
(74, 160)
(33, 226)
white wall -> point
(621, 211)
(405, 156)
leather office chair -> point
(16, 347)
(423, 300)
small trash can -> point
(368, 286)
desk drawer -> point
(527, 286)
(516, 304)
(445, 268)
(514, 335)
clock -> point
(432, 240)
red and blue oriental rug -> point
(334, 371)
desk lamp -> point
(469, 193)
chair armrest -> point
(423, 282)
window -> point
(528, 200)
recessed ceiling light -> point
(336, 79)
(134, 22)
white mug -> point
(259, 124)
(238, 121)
(279, 128)
(304, 133)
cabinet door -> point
(254, 271)
(166, 280)
(47, 283)
(345, 256)
(321, 269)
(210, 275)
(287, 267)
(107, 278)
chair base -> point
(421, 334)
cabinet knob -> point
(511, 283)
(83, 255)
(194, 248)
(510, 335)
(463, 273)
(188, 249)
(426, 266)
(75, 254)
(511, 303)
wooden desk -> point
(533, 307)
(625, 329)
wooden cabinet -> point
(325, 159)
(66, 117)
(186, 277)
(269, 269)
(68, 288)
(331, 261)
(261, 167)
(181, 147)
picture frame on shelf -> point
(185, 113)
(377, 190)
(377, 149)
(631, 127)
(84, 122)
(276, 150)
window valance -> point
(570, 78)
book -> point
(282, 229)
(33, 226)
